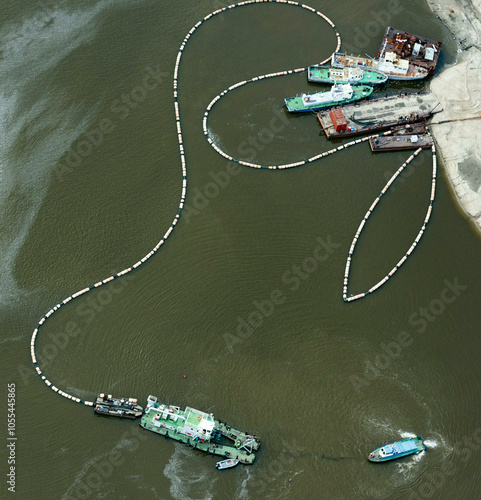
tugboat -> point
(354, 76)
(117, 407)
(199, 430)
(398, 449)
(339, 94)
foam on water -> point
(408, 467)
(188, 482)
(37, 125)
(405, 434)
(243, 492)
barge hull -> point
(213, 448)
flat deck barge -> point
(418, 50)
(199, 430)
(377, 114)
(406, 137)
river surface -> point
(90, 180)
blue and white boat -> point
(398, 449)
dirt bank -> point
(458, 88)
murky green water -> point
(90, 181)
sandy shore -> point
(458, 88)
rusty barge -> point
(377, 115)
(419, 51)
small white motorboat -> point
(227, 464)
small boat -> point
(227, 464)
(398, 449)
(354, 76)
(339, 94)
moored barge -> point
(377, 115)
(418, 50)
(412, 136)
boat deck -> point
(411, 136)
(237, 435)
(402, 43)
(397, 143)
(380, 114)
(199, 430)
(398, 449)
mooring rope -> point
(225, 155)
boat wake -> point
(186, 481)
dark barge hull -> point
(395, 143)
(117, 412)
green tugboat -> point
(199, 430)
(339, 94)
(354, 76)
(398, 449)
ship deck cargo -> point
(380, 114)
(418, 50)
(117, 407)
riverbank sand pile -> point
(458, 89)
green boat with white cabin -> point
(200, 430)
(339, 94)
(353, 76)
